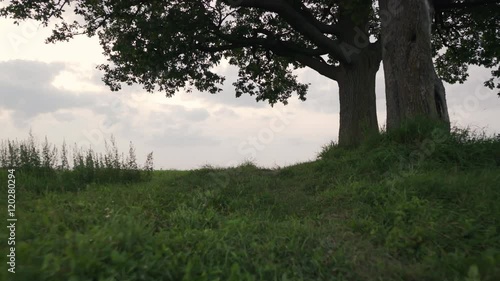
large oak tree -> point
(169, 45)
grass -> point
(42, 167)
(401, 207)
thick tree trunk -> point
(358, 111)
(412, 87)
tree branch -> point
(319, 65)
(300, 23)
(307, 57)
(306, 13)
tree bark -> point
(358, 111)
(413, 88)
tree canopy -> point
(173, 45)
(168, 45)
(467, 33)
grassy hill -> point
(415, 204)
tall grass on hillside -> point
(43, 167)
(408, 205)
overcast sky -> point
(56, 91)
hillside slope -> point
(411, 205)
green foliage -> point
(372, 213)
(467, 36)
(172, 45)
(42, 170)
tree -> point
(169, 45)
(468, 30)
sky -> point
(55, 91)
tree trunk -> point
(413, 88)
(358, 111)
(440, 98)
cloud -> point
(64, 116)
(185, 136)
(461, 94)
(27, 90)
(224, 112)
(323, 93)
(228, 94)
(194, 115)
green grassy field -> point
(409, 205)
